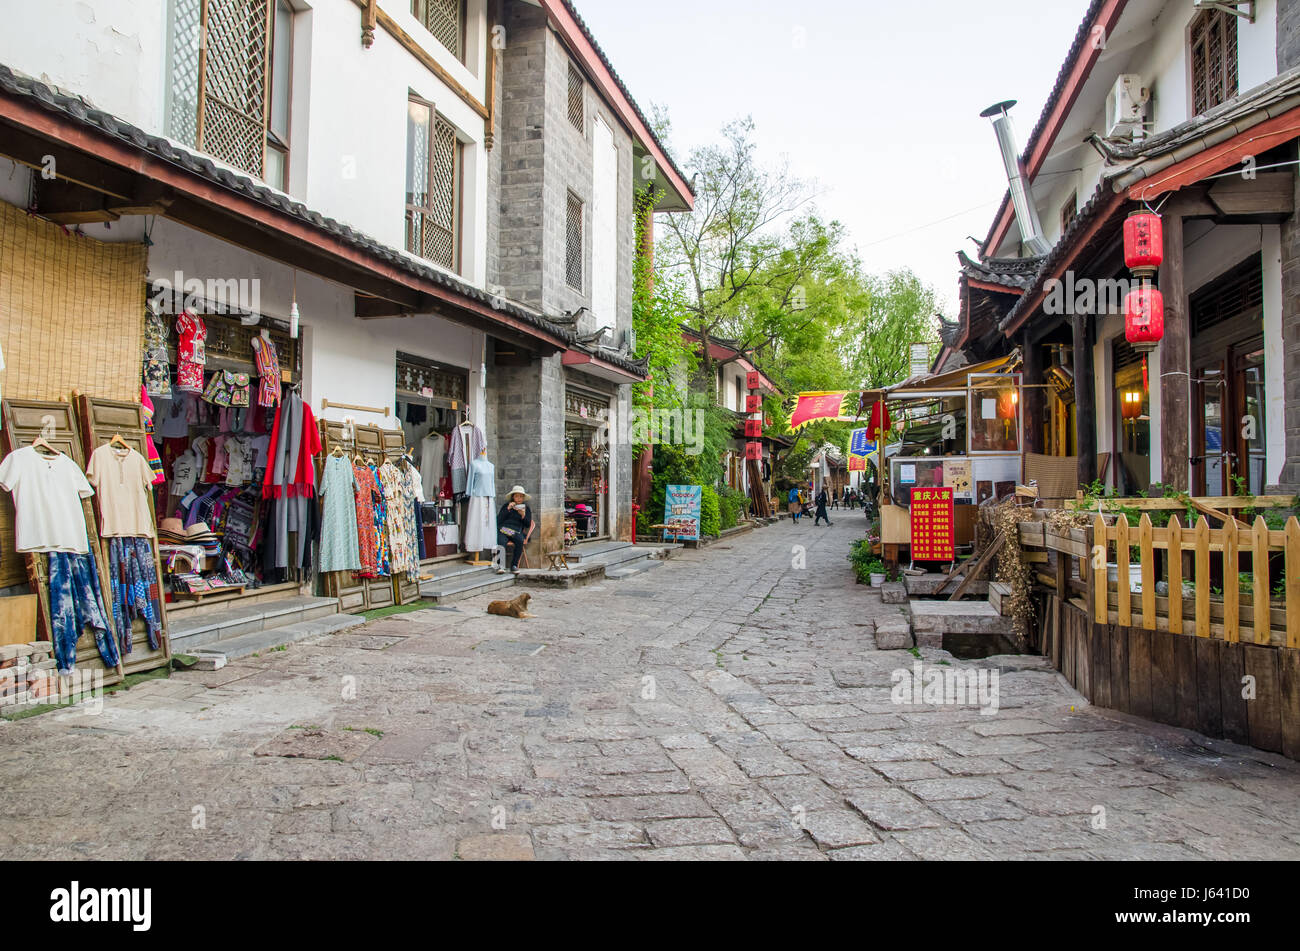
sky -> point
(877, 102)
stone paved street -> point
(724, 706)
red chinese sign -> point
(933, 525)
(814, 406)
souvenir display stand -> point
(101, 421)
(24, 421)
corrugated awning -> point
(923, 387)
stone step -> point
(456, 571)
(633, 568)
(595, 550)
(932, 621)
(1000, 598)
(189, 633)
(925, 586)
(621, 556)
(259, 641)
(466, 586)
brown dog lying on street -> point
(518, 608)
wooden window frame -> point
(457, 179)
(1217, 89)
(577, 100)
(421, 17)
(573, 200)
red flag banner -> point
(812, 407)
(857, 463)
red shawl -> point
(304, 477)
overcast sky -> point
(877, 100)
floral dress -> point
(157, 369)
(383, 547)
(401, 518)
(191, 355)
(367, 531)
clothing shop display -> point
(339, 544)
(151, 449)
(133, 589)
(123, 479)
(401, 524)
(175, 422)
(290, 481)
(47, 493)
(191, 354)
(77, 605)
(157, 371)
(367, 533)
(227, 388)
(185, 471)
(433, 464)
(268, 371)
(457, 460)
(383, 550)
(480, 512)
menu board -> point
(933, 525)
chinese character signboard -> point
(682, 513)
(814, 406)
(933, 520)
(861, 445)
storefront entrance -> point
(586, 466)
(1228, 426)
(430, 405)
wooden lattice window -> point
(1214, 59)
(433, 171)
(1238, 291)
(445, 19)
(577, 110)
(229, 84)
(1069, 211)
(573, 242)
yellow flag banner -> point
(812, 407)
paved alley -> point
(728, 705)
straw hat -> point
(519, 490)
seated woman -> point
(514, 526)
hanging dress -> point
(191, 352)
(367, 534)
(383, 549)
(268, 371)
(481, 513)
(339, 545)
(400, 512)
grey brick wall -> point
(1288, 34)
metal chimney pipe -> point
(1031, 230)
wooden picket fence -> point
(1250, 618)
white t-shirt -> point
(184, 473)
(47, 500)
(123, 478)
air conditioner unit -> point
(1126, 107)
(629, 340)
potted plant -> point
(876, 570)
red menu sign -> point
(933, 532)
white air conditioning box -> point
(1126, 107)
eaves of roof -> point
(72, 108)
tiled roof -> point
(1014, 273)
(20, 86)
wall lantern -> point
(1144, 242)
(1131, 407)
(1144, 317)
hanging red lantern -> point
(754, 451)
(1144, 317)
(1131, 408)
(1144, 241)
(879, 421)
(753, 429)
(753, 404)
(753, 381)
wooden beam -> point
(1175, 376)
(1270, 196)
(1034, 401)
(367, 307)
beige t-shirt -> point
(122, 478)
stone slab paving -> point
(729, 707)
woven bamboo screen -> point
(71, 312)
(71, 317)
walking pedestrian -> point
(822, 498)
(794, 507)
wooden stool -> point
(559, 560)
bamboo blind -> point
(71, 311)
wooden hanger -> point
(117, 440)
(39, 443)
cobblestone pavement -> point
(724, 706)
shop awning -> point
(938, 385)
(616, 371)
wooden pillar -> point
(1175, 376)
(1085, 400)
(1034, 395)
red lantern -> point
(879, 421)
(1144, 241)
(753, 381)
(753, 429)
(1144, 317)
(753, 404)
(1131, 407)
(754, 451)
(1007, 401)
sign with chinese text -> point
(754, 381)
(861, 445)
(857, 463)
(933, 525)
(754, 451)
(682, 512)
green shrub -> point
(710, 516)
(864, 562)
(731, 505)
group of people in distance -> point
(799, 502)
